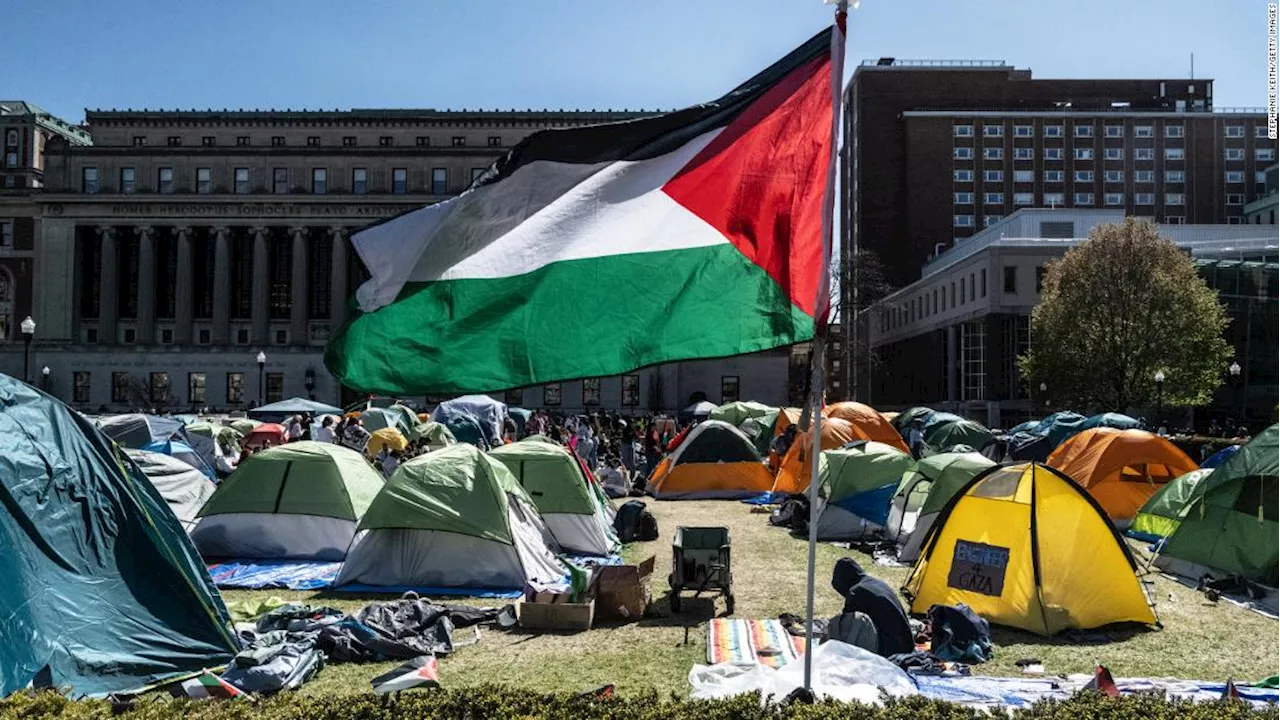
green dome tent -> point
(435, 435)
(244, 426)
(569, 504)
(905, 418)
(735, 413)
(1158, 516)
(299, 501)
(857, 483)
(227, 438)
(942, 436)
(924, 491)
(1229, 525)
(102, 590)
(452, 518)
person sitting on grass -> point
(875, 599)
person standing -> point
(325, 433)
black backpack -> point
(959, 634)
(634, 522)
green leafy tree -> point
(1117, 308)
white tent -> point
(183, 488)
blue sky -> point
(73, 54)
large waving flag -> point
(596, 250)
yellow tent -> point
(387, 437)
(715, 460)
(793, 476)
(1026, 547)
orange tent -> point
(786, 418)
(793, 476)
(1121, 469)
(869, 423)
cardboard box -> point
(556, 616)
(622, 591)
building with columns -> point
(180, 244)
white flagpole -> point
(818, 357)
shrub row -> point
(502, 702)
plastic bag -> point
(840, 671)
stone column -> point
(261, 286)
(298, 306)
(221, 286)
(338, 280)
(108, 295)
(182, 285)
(146, 284)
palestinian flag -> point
(208, 685)
(1103, 682)
(418, 672)
(1230, 692)
(596, 250)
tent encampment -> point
(279, 411)
(925, 489)
(735, 413)
(570, 506)
(158, 434)
(487, 412)
(943, 436)
(299, 501)
(183, 488)
(1158, 516)
(857, 482)
(795, 471)
(715, 460)
(870, 425)
(452, 518)
(1121, 469)
(1229, 526)
(102, 590)
(1024, 546)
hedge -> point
(502, 702)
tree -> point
(1117, 308)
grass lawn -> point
(1199, 641)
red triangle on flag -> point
(1230, 692)
(1103, 682)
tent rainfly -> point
(1121, 469)
(857, 484)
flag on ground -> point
(1230, 692)
(1103, 683)
(418, 672)
(208, 685)
(597, 250)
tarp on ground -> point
(102, 590)
(735, 413)
(277, 411)
(183, 488)
(488, 413)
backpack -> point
(959, 634)
(854, 628)
(634, 522)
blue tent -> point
(277, 411)
(103, 592)
(1220, 457)
(1118, 421)
(184, 452)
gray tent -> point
(183, 488)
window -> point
(551, 394)
(1144, 154)
(204, 337)
(1115, 131)
(1024, 153)
(1084, 199)
(385, 141)
(359, 181)
(208, 141)
(964, 198)
(166, 336)
(476, 174)
(1010, 279)
(1233, 154)
(80, 387)
(139, 140)
(348, 141)
(993, 176)
(1053, 176)
(242, 140)
(458, 141)
(282, 337)
(1024, 198)
(1174, 176)
(10, 181)
(1084, 176)
(1053, 131)
(275, 387)
(989, 220)
(1024, 176)
(993, 153)
(963, 153)
(130, 336)
(1039, 279)
(631, 390)
(962, 221)
(1264, 154)
(128, 180)
(1237, 176)
(439, 181)
(1054, 199)
(1144, 176)
(1260, 177)
(953, 296)
(1260, 132)
(962, 131)
(319, 181)
(993, 199)
(495, 141)
(1144, 199)
(983, 275)
(1173, 131)
(242, 181)
(165, 180)
(422, 141)
(1143, 131)
(11, 159)
(119, 387)
(399, 181)
(1114, 199)
(1173, 199)
(962, 175)
(1084, 153)
(235, 388)
(1113, 154)
(280, 180)
(1113, 176)
(159, 388)
(1180, 219)
(6, 240)
(313, 141)
(1053, 153)
(204, 181)
(277, 141)
(993, 131)
(1235, 199)
(89, 180)
(1083, 131)
(173, 140)
(1234, 131)
(195, 388)
(1174, 154)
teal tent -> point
(946, 435)
(1118, 421)
(102, 590)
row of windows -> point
(935, 301)
(1080, 199)
(157, 389)
(1232, 177)
(241, 185)
(1111, 131)
(995, 153)
(315, 141)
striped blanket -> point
(748, 642)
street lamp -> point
(1235, 382)
(1044, 389)
(309, 380)
(28, 327)
(1159, 396)
(44, 378)
(262, 368)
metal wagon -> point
(700, 562)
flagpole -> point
(818, 356)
